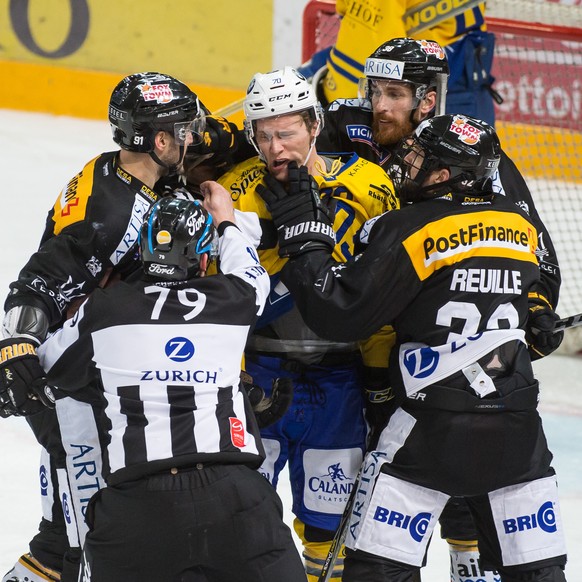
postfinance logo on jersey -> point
(448, 241)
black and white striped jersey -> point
(161, 366)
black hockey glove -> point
(540, 325)
(219, 138)
(268, 410)
(304, 222)
(23, 387)
(379, 406)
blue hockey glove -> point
(316, 62)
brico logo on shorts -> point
(415, 525)
(544, 519)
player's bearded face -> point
(392, 104)
(282, 140)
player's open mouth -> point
(279, 163)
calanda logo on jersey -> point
(335, 482)
(160, 93)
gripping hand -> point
(23, 388)
(219, 138)
(269, 410)
(539, 331)
(303, 221)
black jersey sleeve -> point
(65, 267)
(517, 191)
(351, 301)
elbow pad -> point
(26, 321)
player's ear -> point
(161, 140)
(442, 175)
(427, 104)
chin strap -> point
(172, 168)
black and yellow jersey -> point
(360, 190)
(449, 275)
(92, 229)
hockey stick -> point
(341, 532)
(421, 17)
(567, 322)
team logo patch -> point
(179, 349)
(44, 482)
(421, 363)
(237, 432)
(432, 48)
(160, 93)
(466, 132)
(163, 237)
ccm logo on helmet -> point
(280, 97)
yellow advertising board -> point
(65, 56)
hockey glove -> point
(303, 221)
(315, 63)
(539, 331)
(269, 410)
(219, 138)
(23, 387)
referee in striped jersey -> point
(159, 356)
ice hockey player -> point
(467, 425)
(90, 238)
(364, 27)
(157, 358)
(322, 437)
(405, 83)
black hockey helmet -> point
(144, 103)
(421, 63)
(173, 237)
(469, 148)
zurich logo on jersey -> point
(179, 349)
(422, 362)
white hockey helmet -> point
(277, 93)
